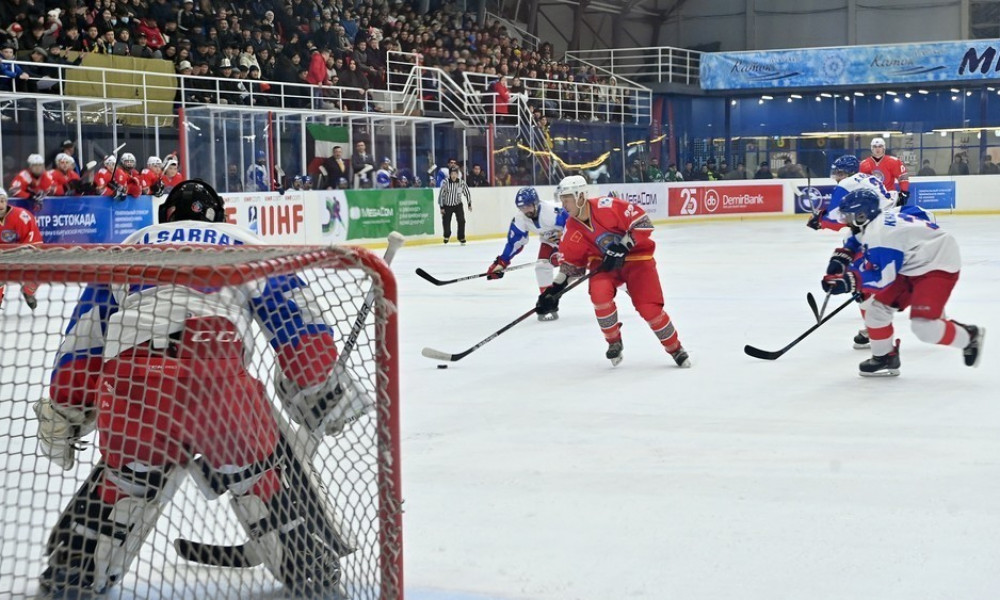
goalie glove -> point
(496, 270)
(60, 429)
(325, 407)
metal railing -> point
(662, 64)
(528, 40)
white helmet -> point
(878, 142)
(128, 160)
(154, 161)
(575, 185)
(110, 161)
(35, 159)
(3, 193)
(63, 157)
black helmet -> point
(193, 200)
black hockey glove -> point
(614, 254)
(157, 188)
(840, 262)
(548, 301)
(816, 221)
(902, 198)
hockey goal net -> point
(356, 473)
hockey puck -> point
(442, 366)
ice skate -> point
(886, 365)
(861, 340)
(681, 357)
(552, 316)
(614, 353)
(973, 352)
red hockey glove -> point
(497, 268)
(844, 283)
(840, 262)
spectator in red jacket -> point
(317, 67)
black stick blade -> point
(430, 277)
(761, 354)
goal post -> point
(357, 472)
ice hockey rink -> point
(533, 470)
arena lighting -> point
(790, 100)
(732, 103)
(890, 93)
(818, 99)
(925, 92)
(954, 90)
(895, 100)
(953, 98)
(909, 95)
(767, 97)
(968, 93)
(796, 96)
(878, 96)
(881, 132)
(965, 129)
(859, 94)
(825, 95)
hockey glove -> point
(60, 429)
(902, 197)
(840, 262)
(816, 221)
(614, 254)
(843, 283)
(157, 188)
(556, 258)
(548, 301)
(496, 270)
(326, 407)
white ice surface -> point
(532, 469)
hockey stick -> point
(817, 312)
(437, 281)
(774, 355)
(444, 356)
(114, 169)
(237, 555)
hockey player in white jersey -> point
(548, 221)
(160, 372)
(906, 262)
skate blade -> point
(616, 360)
(549, 317)
(858, 346)
(882, 373)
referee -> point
(450, 201)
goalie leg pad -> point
(95, 542)
(326, 407)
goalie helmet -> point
(128, 160)
(193, 200)
(859, 207)
(847, 164)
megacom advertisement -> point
(89, 219)
(332, 216)
(709, 199)
(652, 197)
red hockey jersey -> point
(26, 185)
(62, 180)
(610, 219)
(889, 170)
(18, 226)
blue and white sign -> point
(932, 194)
(816, 197)
(974, 60)
(91, 219)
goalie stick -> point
(444, 356)
(298, 448)
(437, 281)
(776, 354)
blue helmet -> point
(307, 179)
(847, 163)
(526, 196)
(297, 178)
(261, 155)
(859, 207)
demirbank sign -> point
(855, 65)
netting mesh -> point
(199, 422)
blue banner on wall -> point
(932, 194)
(817, 196)
(814, 67)
(90, 219)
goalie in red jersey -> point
(889, 170)
(613, 236)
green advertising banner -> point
(376, 213)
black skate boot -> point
(614, 353)
(681, 357)
(974, 350)
(861, 340)
(886, 365)
(30, 300)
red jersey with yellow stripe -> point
(608, 219)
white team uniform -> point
(853, 183)
(549, 224)
(901, 244)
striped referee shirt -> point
(451, 193)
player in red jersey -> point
(64, 177)
(171, 175)
(110, 178)
(149, 179)
(887, 169)
(18, 226)
(614, 236)
(32, 183)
